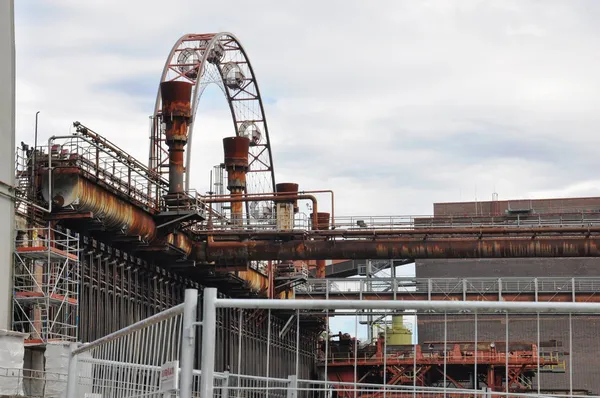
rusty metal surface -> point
(473, 247)
(181, 242)
(421, 232)
(115, 214)
(176, 98)
(256, 282)
(288, 188)
(322, 221)
(176, 109)
(321, 269)
(236, 151)
(321, 224)
(236, 180)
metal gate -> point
(152, 357)
(499, 366)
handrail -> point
(337, 286)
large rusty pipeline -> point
(414, 248)
(176, 114)
(419, 231)
(70, 189)
(263, 198)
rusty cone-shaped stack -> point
(236, 164)
(286, 207)
(176, 114)
(321, 223)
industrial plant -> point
(102, 240)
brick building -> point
(586, 330)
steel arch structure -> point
(219, 58)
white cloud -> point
(394, 105)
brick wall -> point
(586, 331)
(499, 207)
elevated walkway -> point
(467, 289)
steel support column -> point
(7, 154)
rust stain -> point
(176, 98)
(236, 163)
(469, 247)
(176, 112)
(180, 241)
(236, 151)
(257, 282)
(114, 213)
(288, 188)
(322, 221)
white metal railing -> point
(506, 354)
(450, 286)
(223, 222)
(412, 222)
(127, 363)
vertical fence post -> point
(208, 342)
(225, 390)
(73, 375)
(189, 343)
(292, 391)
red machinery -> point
(452, 364)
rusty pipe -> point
(413, 248)
(280, 195)
(236, 151)
(248, 198)
(176, 114)
(236, 184)
(116, 214)
(332, 200)
(428, 232)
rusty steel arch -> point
(219, 58)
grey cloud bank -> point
(394, 105)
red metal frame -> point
(450, 364)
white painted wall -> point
(7, 155)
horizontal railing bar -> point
(161, 316)
(430, 306)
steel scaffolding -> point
(46, 285)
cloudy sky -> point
(394, 105)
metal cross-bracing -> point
(543, 289)
(46, 285)
(437, 364)
(219, 58)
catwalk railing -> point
(545, 219)
(510, 359)
(103, 162)
(493, 289)
(382, 225)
